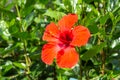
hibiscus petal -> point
(67, 58)
(49, 52)
(51, 32)
(67, 21)
(81, 35)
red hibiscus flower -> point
(62, 39)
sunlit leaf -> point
(54, 14)
(19, 65)
(103, 19)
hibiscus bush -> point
(59, 40)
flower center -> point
(66, 37)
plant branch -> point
(103, 62)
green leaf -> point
(116, 73)
(117, 46)
(103, 19)
(93, 28)
(89, 1)
(118, 19)
(66, 2)
(7, 68)
(22, 35)
(13, 27)
(8, 50)
(9, 6)
(7, 13)
(112, 17)
(34, 56)
(4, 30)
(54, 14)
(29, 3)
(79, 1)
(93, 51)
(28, 20)
(3, 26)
(26, 11)
(19, 65)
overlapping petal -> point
(67, 21)
(81, 35)
(49, 52)
(51, 33)
(67, 58)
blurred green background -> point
(22, 23)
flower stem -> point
(55, 73)
(80, 72)
(80, 65)
(87, 74)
